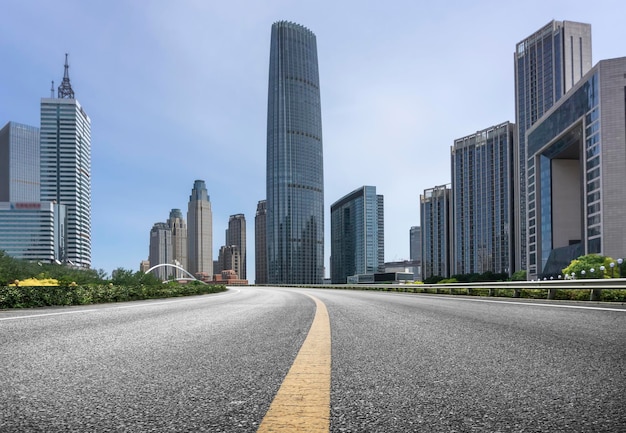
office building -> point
(260, 244)
(482, 201)
(547, 64)
(178, 228)
(19, 163)
(33, 231)
(161, 251)
(295, 175)
(200, 232)
(236, 235)
(357, 239)
(415, 243)
(435, 216)
(229, 259)
(576, 173)
(65, 163)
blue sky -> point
(177, 91)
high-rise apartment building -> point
(161, 250)
(178, 228)
(65, 152)
(260, 244)
(357, 239)
(236, 235)
(436, 219)
(547, 64)
(482, 201)
(19, 163)
(576, 173)
(200, 231)
(415, 243)
(295, 174)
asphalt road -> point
(400, 363)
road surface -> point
(397, 363)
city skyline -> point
(381, 95)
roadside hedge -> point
(42, 296)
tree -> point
(589, 266)
(519, 276)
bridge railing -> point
(594, 285)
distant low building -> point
(229, 278)
(406, 266)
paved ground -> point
(400, 363)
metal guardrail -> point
(595, 285)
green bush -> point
(29, 297)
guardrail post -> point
(595, 295)
(517, 293)
(492, 292)
(551, 293)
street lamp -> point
(582, 273)
(612, 265)
(619, 263)
(602, 269)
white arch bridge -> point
(180, 268)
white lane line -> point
(579, 307)
(117, 307)
(47, 314)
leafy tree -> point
(519, 276)
(589, 262)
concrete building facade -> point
(436, 221)
(200, 231)
(482, 201)
(576, 169)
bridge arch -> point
(163, 265)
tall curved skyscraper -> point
(295, 172)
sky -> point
(177, 91)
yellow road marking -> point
(302, 403)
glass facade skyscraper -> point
(29, 229)
(65, 146)
(357, 239)
(415, 244)
(295, 175)
(547, 64)
(576, 171)
(260, 244)
(435, 217)
(161, 250)
(482, 201)
(19, 163)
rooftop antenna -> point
(65, 89)
(52, 90)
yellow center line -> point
(302, 403)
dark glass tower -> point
(357, 239)
(547, 64)
(295, 173)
